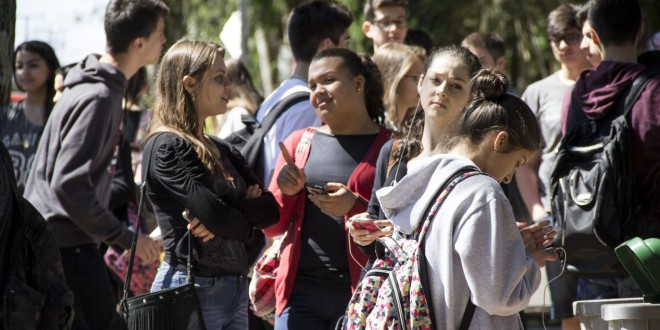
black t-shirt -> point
(323, 258)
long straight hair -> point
(174, 108)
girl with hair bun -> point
(474, 250)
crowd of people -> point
(377, 137)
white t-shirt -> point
(545, 97)
(298, 116)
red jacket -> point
(292, 209)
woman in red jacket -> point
(320, 265)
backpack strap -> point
(250, 152)
(304, 144)
(430, 212)
(636, 90)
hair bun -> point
(489, 84)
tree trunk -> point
(7, 27)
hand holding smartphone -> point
(316, 189)
(360, 222)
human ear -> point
(420, 82)
(640, 33)
(366, 28)
(138, 43)
(325, 44)
(359, 84)
(596, 40)
(499, 63)
(501, 140)
(189, 83)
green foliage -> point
(521, 24)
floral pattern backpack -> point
(394, 294)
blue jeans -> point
(606, 288)
(223, 300)
(312, 307)
(95, 305)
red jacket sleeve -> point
(288, 204)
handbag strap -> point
(146, 164)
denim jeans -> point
(95, 305)
(312, 307)
(606, 288)
(223, 300)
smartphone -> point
(316, 189)
(364, 223)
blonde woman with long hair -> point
(187, 170)
(400, 65)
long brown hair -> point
(174, 109)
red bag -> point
(262, 286)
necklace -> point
(29, 130)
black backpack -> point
(593, 196)
(250, 140)
(35, 294)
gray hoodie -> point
(70, 180)
(473, 246)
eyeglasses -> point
(387, 24)
(569, 39)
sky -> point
(74, 28)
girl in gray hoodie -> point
(474, 249)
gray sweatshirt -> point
(473, 246)
(69, 182)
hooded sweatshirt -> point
(473, 247)
(597, 90)
(70, 180)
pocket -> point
(205, 285)
(22, 305)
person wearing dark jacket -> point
(70, 180)
(617, 27)
(187, 170)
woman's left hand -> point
(337, 202)
(541, 234)
(199, 230)
(253, 191)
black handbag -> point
(172, 308)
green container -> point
(641, 258)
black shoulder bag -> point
(172, 308)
